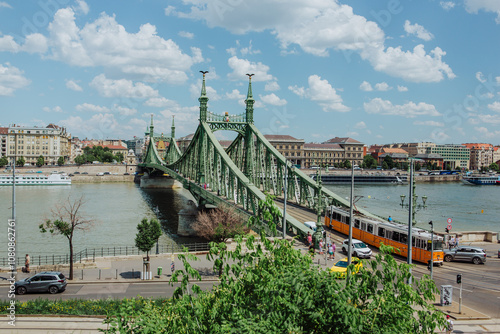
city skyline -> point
(380, 73)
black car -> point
(47, 281)
(76, 173)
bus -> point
(374, 232)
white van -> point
(311, 225)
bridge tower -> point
(249, 137)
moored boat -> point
(36, 180)
(481, 180)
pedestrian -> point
(309, 239)
(321, 246)
(311, 249)
(334, 248)
(456, 241)
(27, 263)
(389, 219)
(330, 252)
(449, 324)
(452, 242)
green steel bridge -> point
(241, 174)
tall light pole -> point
(410, 216)
(284, 202)
(349, 249)
(432, 247)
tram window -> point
(347, 220)
(381, 232)
(370, 228)
(363, 226)
(356, 223)
(413, 241)
(395, 236)
(403, 238)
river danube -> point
(117, 208)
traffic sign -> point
(449, 227)
(449, 221)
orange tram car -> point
(374, 232)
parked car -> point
(85, 173)
(472, 254)
(47, 281)
(76, 173)
(340, 267)
(311, 225)
(359, 248)
(126, 173)
(107, 173)
(100, 174)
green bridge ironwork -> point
(241, 174)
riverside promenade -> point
(126, 269)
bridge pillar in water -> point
(187, 219)
(159, 182)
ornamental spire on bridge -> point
(203, 100)
(173, 127)
(151, 127)
(249, 101)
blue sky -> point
(377, 71)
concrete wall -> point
(105, 178)
(472, 236)
(92, 169)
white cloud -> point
(360, 125)
(447, 5)
(122, 88)
(318, 27)
(495, 106)
(124, 111)
(485, 118)
(235, 95)
(271, 86)
(382, 86)
(11, 79)
(249, 50)
(88, 107)
(4, 5)
(272, 99)
(81, 6)
(195, 90)
(439, 136)
(106, 43)
(160, 102)
(416, 66)
(321, 92)
(366, 86)
(429, 123)
(71, 84)
(402, 88)
(480, 77)
(99, 126)
(409, 110)
(241, 67)
(417, 30)
(170, 10)
(186, 34)
(486, 133)
(474, 6)
(57, 109)
(33, 43)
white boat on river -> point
(36, 180)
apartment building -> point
(454, 156)
(481, 155)
(290, 147)
(51, 142)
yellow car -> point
(341, 267)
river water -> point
(117, 208)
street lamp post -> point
(285, 198)
(432, 246)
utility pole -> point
(410, 218)
(285, 198)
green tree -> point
(369, 161)
(67, 219)
(385, 165)
(405, 166)
(4, 161)
(119, 157)
(80, 160)
(347, 164)
(107, 156)
(494, 167)
(40, 161)
(147, 235)
(60, 161)
(390, 162)
(20, 162)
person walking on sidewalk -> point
(449, 324)
(27, 263)
(321, 246)
(309, 239)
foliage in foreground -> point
(78, 306)
(270, 287)
(219, 224)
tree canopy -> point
(20, 162)
(369, 161)
(97, 153)
(219, 224)
(60, 161)
(40, 161)
(4, 161)
(148, 233)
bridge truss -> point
(241, 174)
